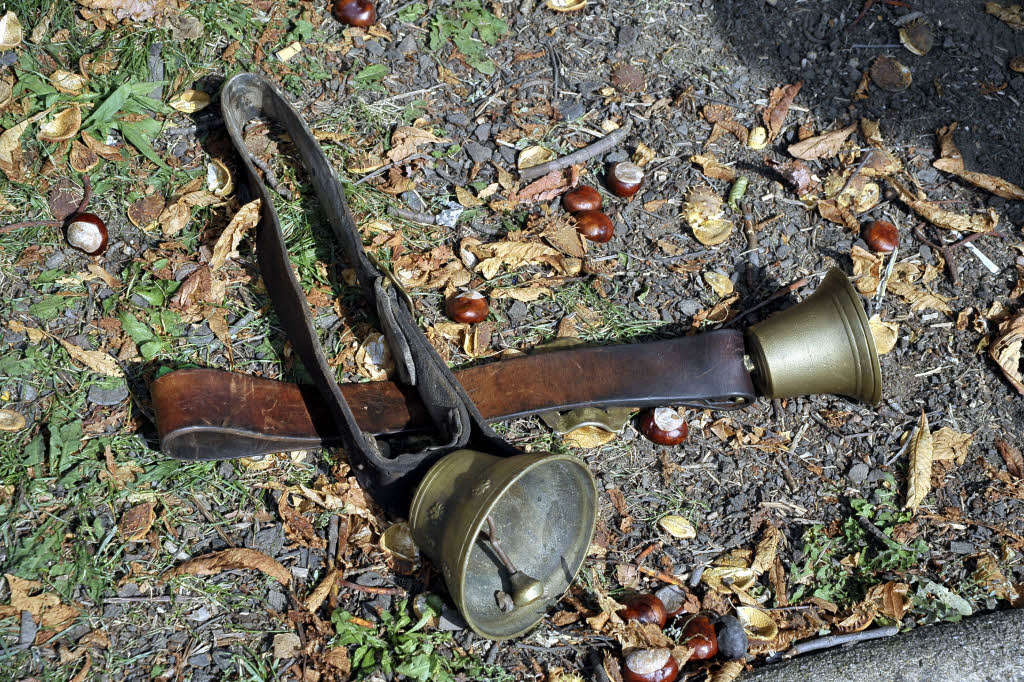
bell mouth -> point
(544, 508)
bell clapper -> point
(525, 589)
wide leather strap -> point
(458, 423)
(245, 416)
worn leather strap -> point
(245, 416)
(457, 421)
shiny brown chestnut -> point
(650, 665)
(664, 426)
(645, 608)
(881, 236)
(87, 233)
(699, 635)
(625, 179)
(595, 226)
(469, 307)
(360, 13)
(582, 199)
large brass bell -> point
(508, 533)
(821, 345)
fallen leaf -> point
(767, 549)
(246, 219)
(952, 161)
(231, 560)
(1005, 350)
(677, 527)
(466, 198)
(991, 578)
(1012, 456)
(950, 444)
(1011, 15)
(11, 420)
(67, 82)
(919, 473)
(757, 623)
(891, 599)
(642, 155)
(919, 299)
(406, 140)
(97, 361)
(721, 116)
(46, 607)
(146, 210)
(713, 169)
(190, 101)
(936, 215)
(81, 158)
(544, 189)
(63, 126)
(174, 218)
(11, 33)
(136, 522)
(719, 283)
(884, 333)
(534, 156)
(373, 358)
(822, 146)
(781, 99)
(729, 671)
(588, 437)
(102, 150)
(704, 213)
(135, 10)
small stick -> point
(836, 640)
(647, 552)
(86, 193)
(270, 177)
(369, 589)
(596, 149)
(803, 281)
(30, 223)
(413, 216)
(877, 533)
(856, 171)
(664, 577)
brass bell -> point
(821, 345)
(508, 533)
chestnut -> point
(664, 426)
(881, 236)
(699, 635)
(467, 306)
(645, 608)
(360, 13)
(582, 199)
(87, 233)
(625, 179)
(674, 599)
(595, 226)
(650, 665)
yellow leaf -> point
(767, 549)
(229, 560)
(190, 101)
(97, 361)
(10, 31)
(885, 334)
(949, 443)
(719, 283)
(11, 420)
(466, 198)
(63, 126)
(920, 470)
(677, 527)
(533, 156)
(588, 437)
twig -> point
(877, 533)
(86, 193)
(579, 156)
(385, 169)
(270, 178)
(856, 171)
(413, 216)
(836, 640)
(369, 589)
(802, 282)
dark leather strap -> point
(457, 421)
(243, 416)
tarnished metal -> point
(543, 508)
(822, 345)
(613, 419)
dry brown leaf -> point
(373, 358)
(712, 168)
(767, 549)
(952, 161)
(63, 126)
(492, 257)
(81, 158)
(990, 577)
(134, 10)
(406, 140)
(589, 437)
(704, 213)
(1005, 350)
(544, 189)
(721, 116)
(67, 82)
(534, 156)
(246, 219)
(919, 478)
(562, 234)
(231, 560)
(729, 671)
(1011, 15)
(96, 360)
(137, 521)
(190, 101)
(757, 623)
(919, 299)
(891, 599)
(940, 217)
(1011, 455)
(102, 150)
(719, 283)
(46, 607)
(466, 198)
(678, 527)
(822, 146)
(781, 99)
(884, 333)
(296, 526)
(316, 599)
(950, 444)
(146, 210)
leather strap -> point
(458, 423)
(242, 416)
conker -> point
(87, 233)
(360, 13)
(645, 608)
(673, 598)
(650, 665)
(699, 635)
(467, 306)
(625, 179)
(582, 199)
(595, 226)
(664, 426)
(881, 236)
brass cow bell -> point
(508, 533)
(821, 345)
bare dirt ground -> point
(92, 511)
